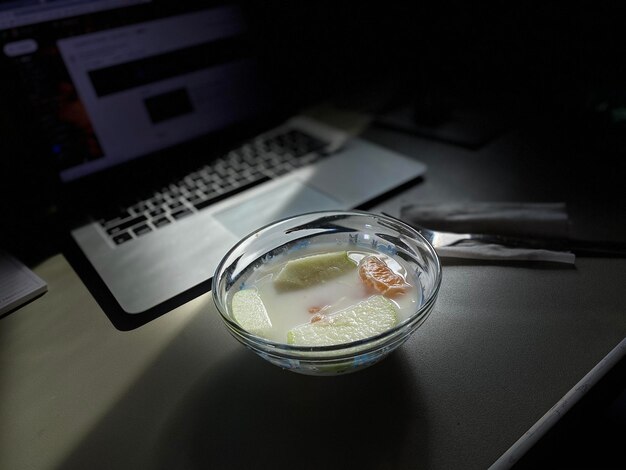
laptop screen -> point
(108, 81)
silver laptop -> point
(138, 92)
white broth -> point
(287, 309)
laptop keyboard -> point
(251, 164)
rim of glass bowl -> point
(377, 340)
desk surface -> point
(502, 346)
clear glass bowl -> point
(348, 230)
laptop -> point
(166, 142)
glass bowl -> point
(348, 230)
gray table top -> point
(502, 346)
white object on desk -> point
(18, 284)
(517, 219)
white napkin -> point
(503, 218)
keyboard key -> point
(122, 237)
(212, 200)
(283, 169)
(194, 200)
(157, 211)
(160, 222)
(181, 213)
(126, 224)
(142, 230)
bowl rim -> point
(376, 339)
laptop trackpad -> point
(285, 200)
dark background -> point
(558, 55)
